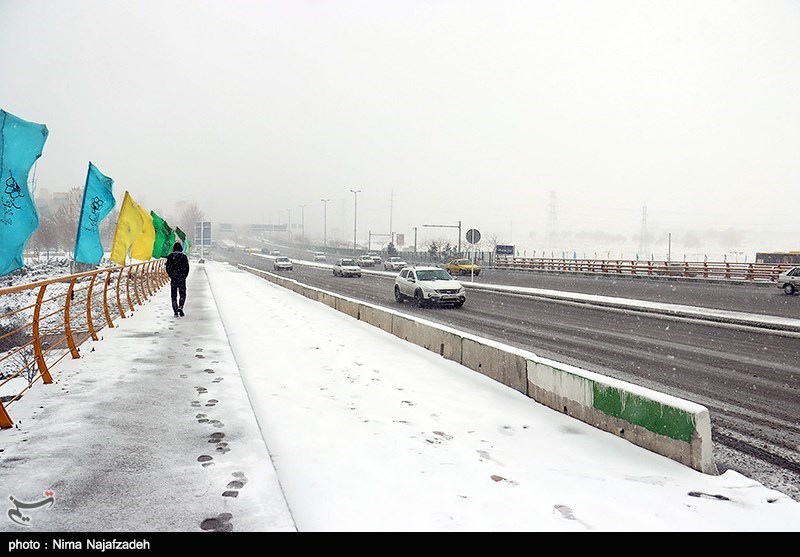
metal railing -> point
(48, 320)
(708, 270)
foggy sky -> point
(438, 111)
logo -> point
(18, 517)
(13, 192)
(94, 216)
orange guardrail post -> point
(107, 281)
(89, 321)
(5, 419)
(149, 276)
(37, 340)
(141, 277)
(67, 329)
(146, 279)
(128, 288)
(119, 301)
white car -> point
(282, 264)
(365, 261)
(428, 286)
(319, 256)
(346, 268)
(394, 264)
(789, 280)
(275, 252)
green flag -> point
(182, 235)
(165, 237)
(187, 245)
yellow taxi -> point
(463, 267)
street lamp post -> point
(303, 223)
(355, 216)
(325, 223)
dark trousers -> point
(176, 289)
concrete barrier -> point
(669, 426)
(375, 317)
(348, 306)
(498, 361)
(436, 338)
(328, 299)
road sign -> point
(269, 227)
(473, 236)
(501, 249)
(202, 233)
(399, 239)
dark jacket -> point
(177, 266)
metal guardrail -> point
(709, 270)
(55, 316)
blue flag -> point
(97, 204)
(21, 143)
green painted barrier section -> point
(654, 416)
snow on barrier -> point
(669, 426)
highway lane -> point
(761, 299)
(747, 379)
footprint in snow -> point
(497, 478)
(569, 514)
(708, 495)
(216, 437)
(222, 448)
(220, 523)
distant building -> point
(47, 201)
(779, 257)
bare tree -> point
(58, 224)
(494, 240)
(108, 227)
(190, 215)
(66, 218)
(18, 355)
(437, 248)
(44, 238)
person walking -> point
(178, 270)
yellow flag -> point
(129, 226)
(142, 248)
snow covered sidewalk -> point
(150, 430)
